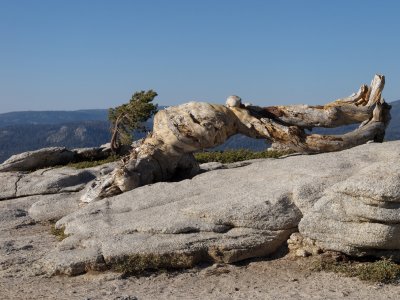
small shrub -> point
(382, 271)
(58, 233)
(231, 156)
(135, 264)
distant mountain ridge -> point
(26, 137)
(52, 117)
(31, 130)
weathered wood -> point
(181, 130)
(353, 109)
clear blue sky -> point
(69, 55)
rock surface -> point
(42, 182)
(54, 156)
(360, 216)
(176, 225)
(53, 207)
(346, 201)
(34, 160)
(49, 181)
(228, 215)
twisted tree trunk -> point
(181, 130)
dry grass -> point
(59, 233)
(380, 271)
(134, 264)
(93, 163)
(231, 156)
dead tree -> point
(179, 131)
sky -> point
(83, 54)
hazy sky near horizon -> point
(79, 54)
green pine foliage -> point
(130, 116)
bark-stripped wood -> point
(181, 130)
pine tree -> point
(130, 116)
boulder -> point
(53, 181)
(360, 216)
(174, 225)
(227, 215)
(47, 181)
(54, 156)
(39, 159)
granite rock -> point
(346, 201)
(226, 215)
(360, 216)
(46, 181)
(39, 159)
